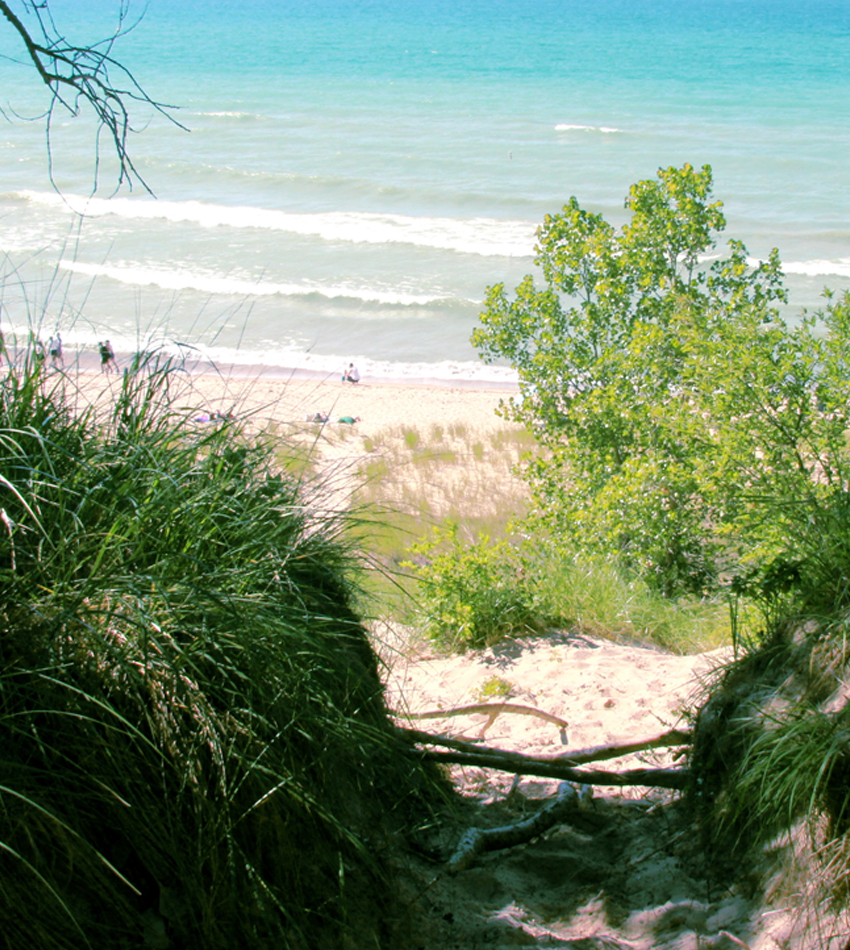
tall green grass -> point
(195, 750)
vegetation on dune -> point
(690, 430)
(699, 442)
(691, 440)
(443, 526)
(195, 747)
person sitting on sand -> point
(351, 374)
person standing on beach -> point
(107, 357)
(112, 361)
(351, 374)
(55, 349)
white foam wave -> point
(605, 129)
(228, 115)
(295, 358)
(839, 268)
(179, 279)
(482, 236)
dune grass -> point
(195, 746)
(438, 512)
(414, 480)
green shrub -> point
(473, 594)
(477, 593)
(494, 687)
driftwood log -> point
(559, 766)
(476, 840)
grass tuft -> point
(195, 745)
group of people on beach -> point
(108, 363)
(40, 352)
(214, 416)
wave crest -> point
(488, 237)
(180, 279)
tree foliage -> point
(684, 418)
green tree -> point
(605, 357)
(769, 422)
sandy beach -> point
(263, 399)
(627, 873)
(376, 404)
(459, 419)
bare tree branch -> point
(651, 778)
(560, 767)
(83, 75)
(591, 754)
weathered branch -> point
(590, 754)
(467, 753)
(82, 73)
(476, 840)
(652, 778)
(491, 711)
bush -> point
(472, 595)
(195, 745)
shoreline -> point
(88, 362)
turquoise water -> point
(357, 173)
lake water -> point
(356, 174)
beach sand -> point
(259, 396)
(459, 420)
(627, 874)
(378, 405)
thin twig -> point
(82, 73)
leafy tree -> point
(771, 413)
(607, 353)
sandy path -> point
(626, 873)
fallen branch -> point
(467, 753)
(491, 711)
(476, 840)
(590, 754)
(596, 753)
(519, 764)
